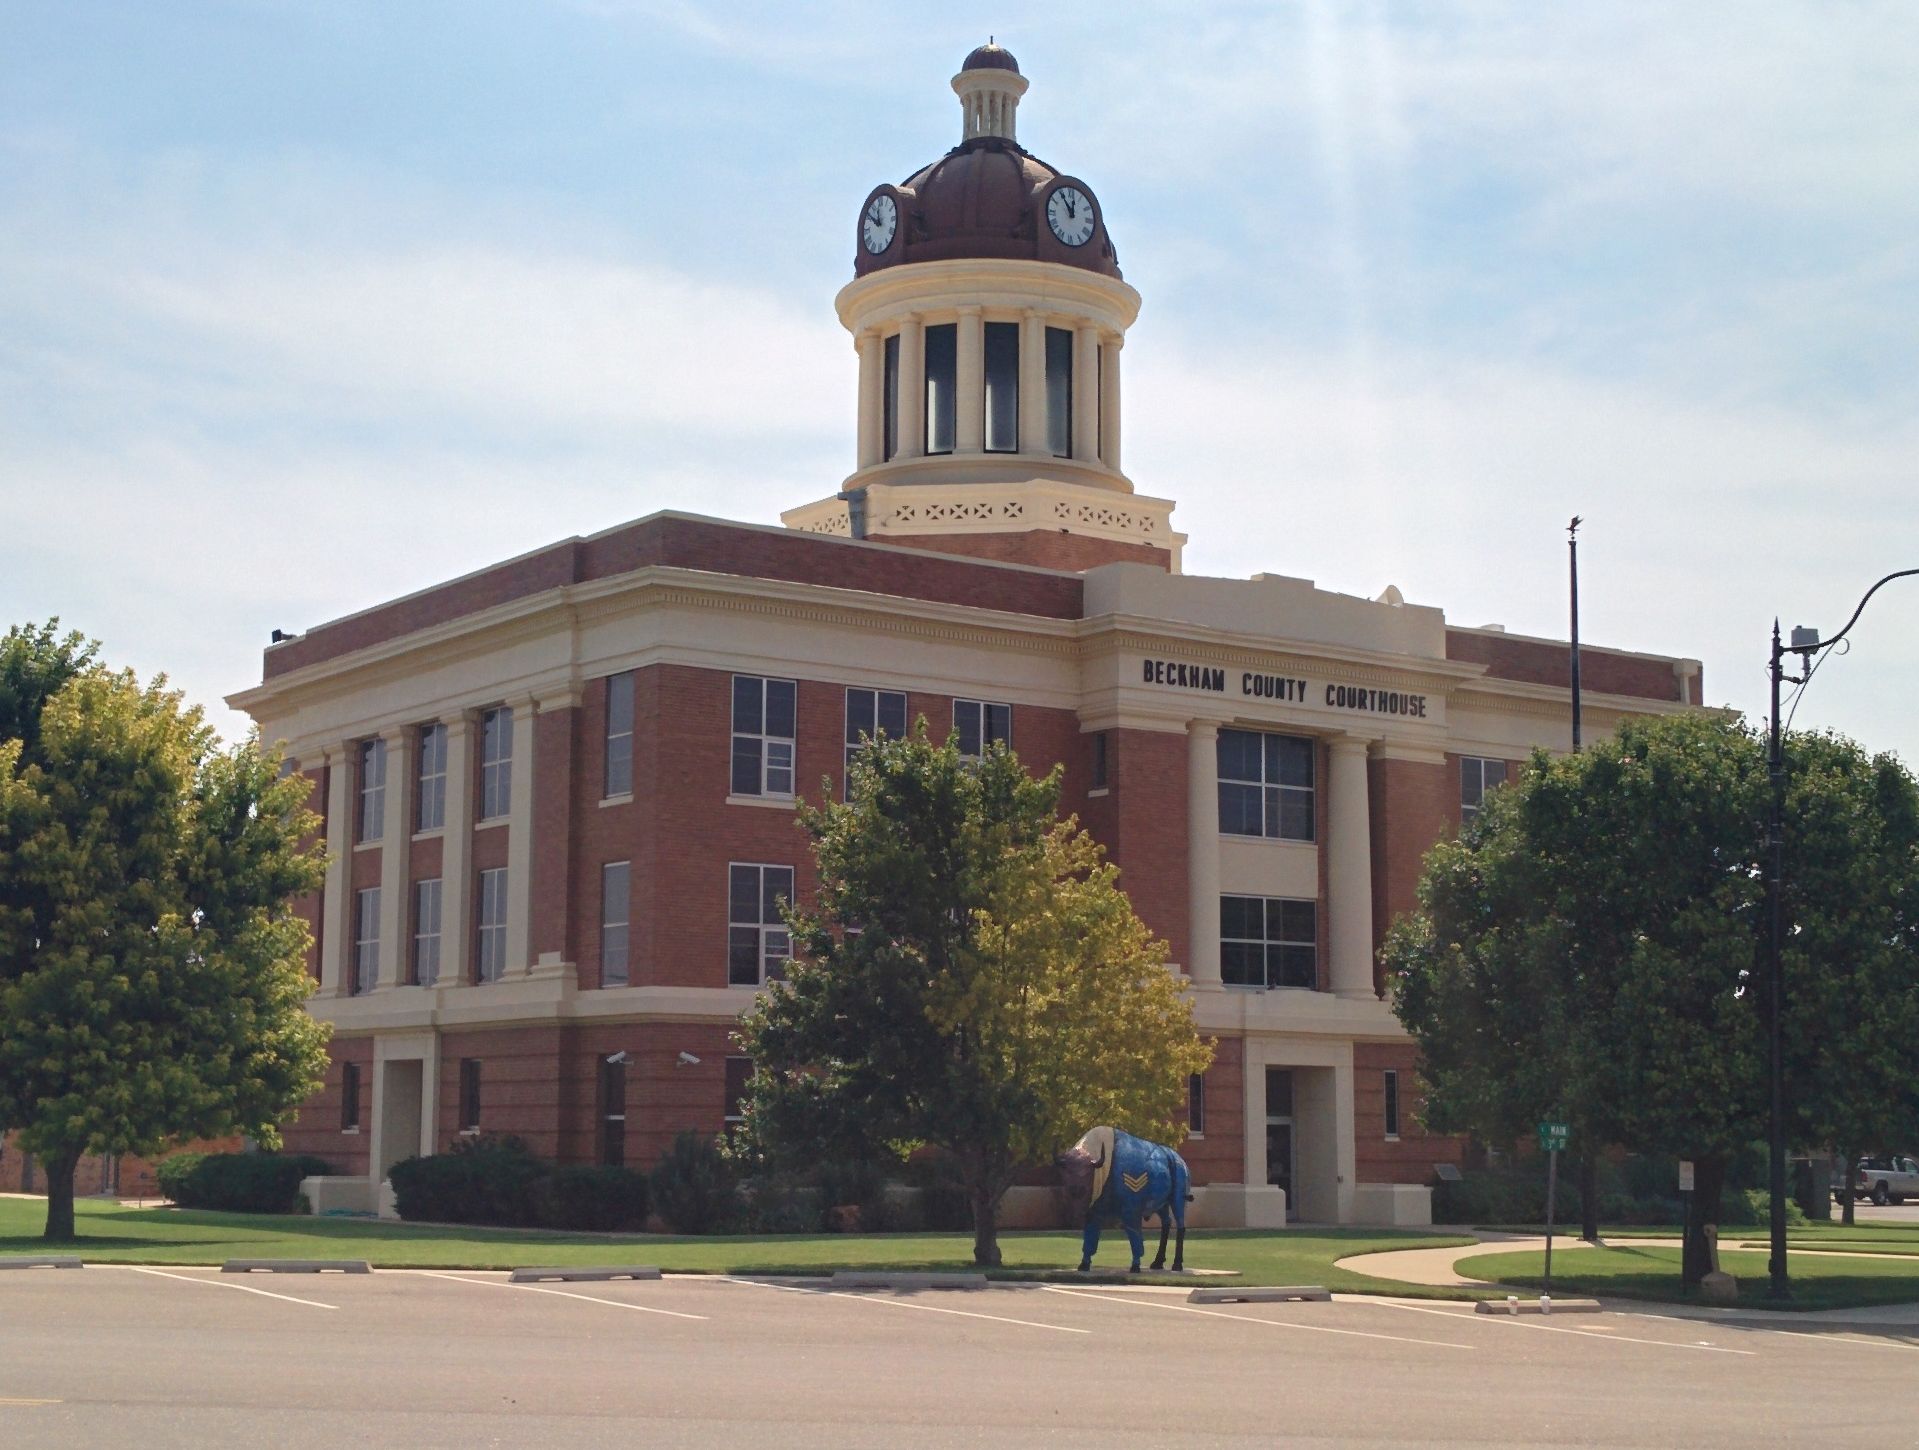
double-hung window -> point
(1196, 1106)
(1265, 785)
(1268, 941)
(426, 932)
(490, 960)
(431, 814)
(350, 1097)
(615, 889)
(366, 940)
(619, 735)
(469, 1095)
(763, 715)
(372, 788)
(1392, 1103)
(757, 941)
(739, 1072)
(869, 715)
(1476, 777)
(496, 763)
(613, 1111)
(979, 723)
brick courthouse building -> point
(559, 793)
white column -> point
(519, 843)
(1032, 383)
(911, 403)
(1349, 870)
(456, 854)
(1202, 853)
(1109, 402)
(969, 384)
(872, 351)
(1086, 394)
(336, 900)
(396, 847)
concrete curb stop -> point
(296, 1266)
(583, 1276)
(1277, 1294)
(1535, 1306)
(42, 1263)
(856, 1279)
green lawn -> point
(110, 1234)
(1651, 1271)
(1891, 1238)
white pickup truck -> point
(1889, 1179)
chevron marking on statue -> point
(1134, 1181)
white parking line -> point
(223, 1284)
(902, 1304)
(563, 1293)
(1251, 1319)
(1517, 1323)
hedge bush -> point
(238, 1182)
(694, 1187)
(597, 1200)
(482, 1180)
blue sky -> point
(305, 305)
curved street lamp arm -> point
(1826, 644)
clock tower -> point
(988, 311)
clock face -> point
(878, 222)
(1069, 212)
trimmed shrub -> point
(781, 1203)
(598, 1200)
(1750, 1207)
(242, 1182)
(943, 1203)
(482, 1180)
(694, 1186)
(172, 1173)
(1504, 1195)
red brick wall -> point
(1219, 1157)
(1142, 823)
(1411, 1159)
(1413, 805)
(1043, 548)
(690, 544)
(94, 1174)
(1541, 663)
(316, 1128)
(554, 897)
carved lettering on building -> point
(1284, 689)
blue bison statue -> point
(1118, 1175)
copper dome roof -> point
(990, 57)
(984, 198)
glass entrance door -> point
(1282, 1158)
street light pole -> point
(1807, 645)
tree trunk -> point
(985, 1227)
(1589, 1192)
(60, 1196)
(1709, 1180)
(1846, 1177)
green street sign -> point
(1553, 1137)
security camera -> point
(687, 1059)
(615, 1059)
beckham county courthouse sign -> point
(1288, 689)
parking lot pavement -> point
(182, 1357)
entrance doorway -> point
(1282, 1156)
(402, 1085)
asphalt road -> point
(190, 1358)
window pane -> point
(999, 724)
(889, 398)
(1495, 772)
(1295, 760)
(743, 894)
(615, 877)
(619, 704)
(779, 767)
(1239, 752)
(1292, 966)
(1002, 387)
(778, 886)
(1242, 964)
(746, 765)
(1059, 392)
(738, 1071)
(748, 703)
(859, 715)
(1295, 815)
(779, 708)
(779, 947)
(966, 724)
(1294, 921)
(1195, 1104)
(1239, 813)
(743, 956)
(1469, 784)
(941, 343)
(892, 713)
(613, 968)
(1242, 916)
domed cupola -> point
(989, 312)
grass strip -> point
(1651, 1271)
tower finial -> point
(989, 86)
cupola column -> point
(872, 350)
(1032, 383)
(969, 404)
(911, 403)
(1086, 393)
(1109, 402)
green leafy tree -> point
(971, 978)
(1592, 948)
(151, 975)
